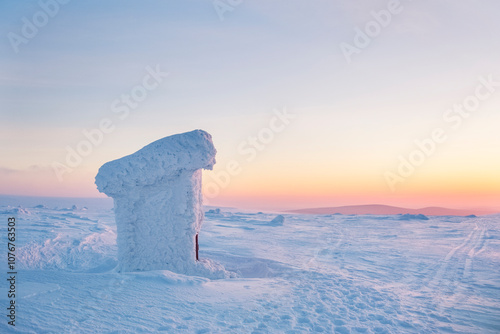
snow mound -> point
(278, 221)
(64, 252)
(158, 204)
(408, 216)
(16, 211)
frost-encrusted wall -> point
(158, 204)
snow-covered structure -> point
(158, 204)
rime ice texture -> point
(158, 204)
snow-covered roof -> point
(158, 161)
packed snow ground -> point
(300, 274)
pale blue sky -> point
(227, 76)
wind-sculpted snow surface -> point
(158, 204)
(313, 274)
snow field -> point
(313, 274)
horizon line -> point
(490, 209)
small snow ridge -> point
(34, 289)
(214, 211)
(249, 267)
(72, 215)
(408, 216)
(73, 208)
(16, 211)
(278, 221)
(168, 277)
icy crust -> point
(157, 162)
(158, 204)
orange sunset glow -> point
(393, 123)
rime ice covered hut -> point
(158, 204)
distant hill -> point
(377, 209)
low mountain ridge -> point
(378, 209)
